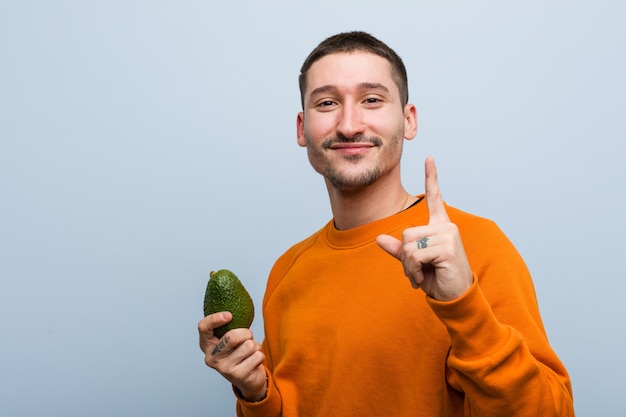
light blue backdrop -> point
(145, 143)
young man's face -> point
(353, 122)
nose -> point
(350, 121)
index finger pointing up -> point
(434, 200)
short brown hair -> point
(357, 41)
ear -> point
(410, 121)
(300, 129)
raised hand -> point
(237, 356)
(433, 256)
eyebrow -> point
(364, 86)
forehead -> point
(345, 70)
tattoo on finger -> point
(422, 243)
(220, 346)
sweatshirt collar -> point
(367, 233)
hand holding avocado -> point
(225, 337)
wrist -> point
(254, 396)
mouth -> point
(352, 147)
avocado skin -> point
(224, 292)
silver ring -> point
(422, 243)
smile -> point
(352, 148)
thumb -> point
(390, 244)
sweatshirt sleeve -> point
(500, 357)
(271, 405)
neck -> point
(356, 208)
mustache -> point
(376, 141)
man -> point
(345, 334)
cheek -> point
(319, 125)
(387, 124)
(317, 159)
(312, 138)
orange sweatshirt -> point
(347, 335)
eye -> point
(372, 100)
(325, 103)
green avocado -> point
(224, 292)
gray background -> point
(145, 143)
